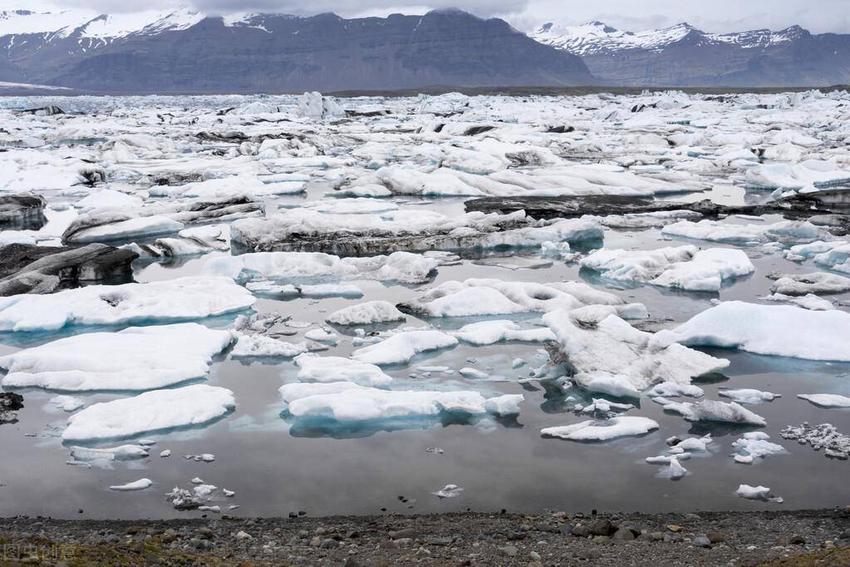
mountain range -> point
(185, 51)
(683, 55)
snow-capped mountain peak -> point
(597, 37)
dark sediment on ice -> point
(25, 268)
(22, 211)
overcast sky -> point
(710, 15)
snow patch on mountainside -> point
(596, 37)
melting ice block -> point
(137, 358)
(346, 401)
(168, 301)
(155, 411)
(590, 430)
(403, 346)
(777, 330)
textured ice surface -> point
(479, 297)
(367, 313)
(623, 426)
(304, 267)
(312, 368)
(608, 355)
(765, 329)
(346, 401)
(401, 347)
(683, 267)
(159, 410)
(162, 301)
(826, 400)
(137, 358)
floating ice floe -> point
(484, 297)
(120, 453)
(306, 267)
(591, 430)
(789, 178)
(674, 390)
(249, 346)
(754, 446)
(349, 402)
(785, 232)
(141, 484)
(810, 301)
(835, 445)
(67, 403)
(401, 347)
(93, 227)
(749, 396)
(826, 400)
(167, 301)
(607, 355)
(368, 313)
(307, 230)
(683, 267)
(757, 493)
(761, 329)
(159, 410)
(140, 358)
(490, 332)
(814, 283)
(312, 368)
(717, 412)
(448, 491)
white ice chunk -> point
(401, 347)
(368, 313)
(137, 358)
(757, 493)
(590, 430)
(749, 396)
(261, 346)
(826, 400)
(490, 332)
(764, 329)
(140, 484)
(755, 445)
(166, 301)
(312, 368)
(159, 410)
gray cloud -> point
(716, 16)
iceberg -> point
(762, 329)
(401, 347)
(604, 352)
(181, 299)
(312, 368)
(368, 313)
(755, 446)
(683, 267)
(306, 267)
(137, 358)
(348, 402)
(748, 396)
(826, 400)
(591, 430)
(757, 493)
(151, 412)
(483, 297)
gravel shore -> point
(818, 537)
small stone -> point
(674, 528)
(316, 541)
(534, 556)
(243, 535)
(580, 530)
(601, 527)
(329, 543)
(624, 534)
(516, 536)
(715, 537)
(701, 541)
(509, 550)
(601, 539)
(205, 533)
(797, 540)
(403, 533)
